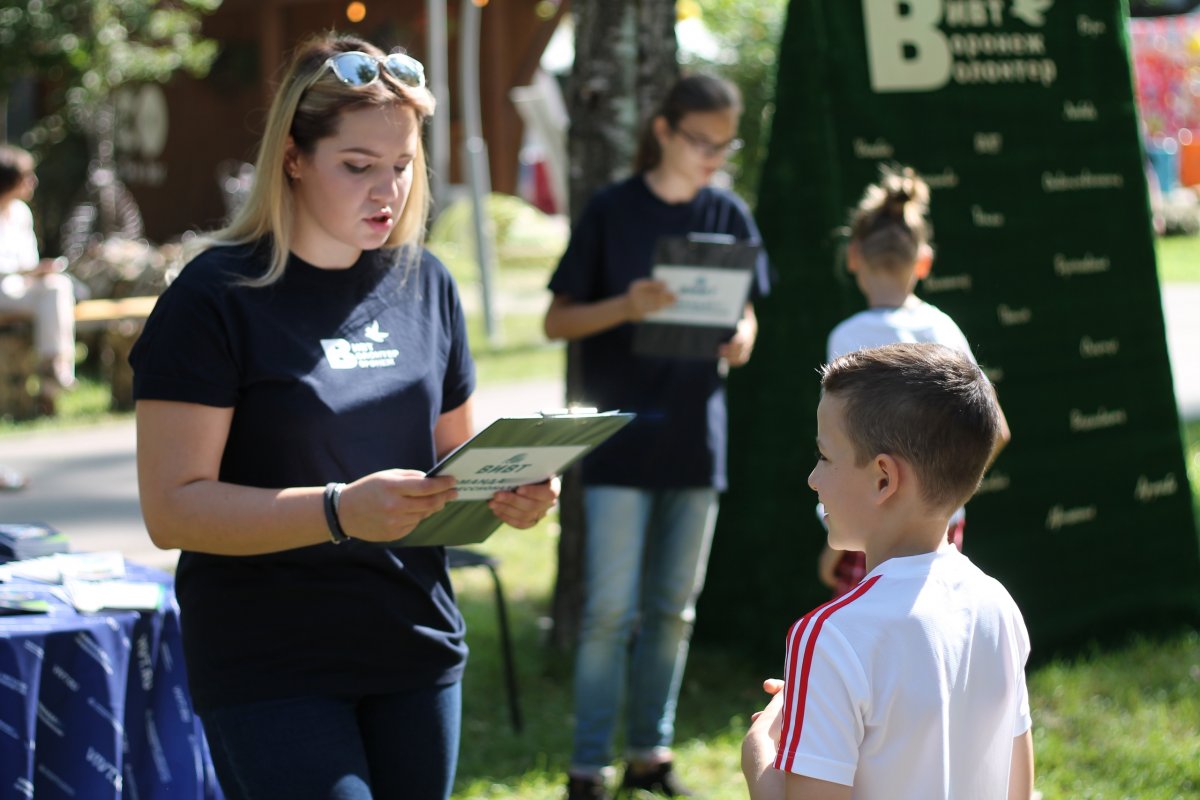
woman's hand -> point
(526, 505)
(388, 505)
(645, 296)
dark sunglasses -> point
(357, 68)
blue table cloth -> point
(96, 706)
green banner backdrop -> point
(1021, 115)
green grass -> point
(1178, 259)
(717, 698)
(1108, 725)
(521, 352)
(86, 404)
(1120, 724)
(528, 246)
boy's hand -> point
(761, 744)
(773, 687)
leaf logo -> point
(374, 333)
(1032, 12)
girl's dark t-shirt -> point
(679, 438)
(331, 375)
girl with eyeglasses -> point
(651, 492)
(293, 384)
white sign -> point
(704, 295)
(483, 471)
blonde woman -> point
(292, 386)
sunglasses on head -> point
(357, 68)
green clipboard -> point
(511, 452)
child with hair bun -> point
(889, 252)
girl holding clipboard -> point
(651, 492)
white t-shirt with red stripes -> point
(910, 686)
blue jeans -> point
(644, 562)
(375, 747)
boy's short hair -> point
(15, 164)
(926, 403)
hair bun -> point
(889, 224)
(896, 200)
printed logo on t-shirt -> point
(374, 334)
(344, 354)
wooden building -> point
(174, 142)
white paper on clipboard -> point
(709, 296)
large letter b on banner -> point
(906, 50)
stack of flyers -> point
(22, 540)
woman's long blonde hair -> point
(308, 107)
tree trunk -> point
(624, 63)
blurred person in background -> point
(33, 285)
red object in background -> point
(543, 194)
(1189, 160)
(1166, 66)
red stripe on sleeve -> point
(797, 685)
(795, 634)
(791, 662)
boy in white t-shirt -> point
(888, 253)
(912, 686)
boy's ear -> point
(853, 258)
(887, 477)
(924, 262)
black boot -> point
(659, 779)
(579, 788)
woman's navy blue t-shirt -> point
(679, 436)
(332, 375)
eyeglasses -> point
(709, 149)
(357, 68)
